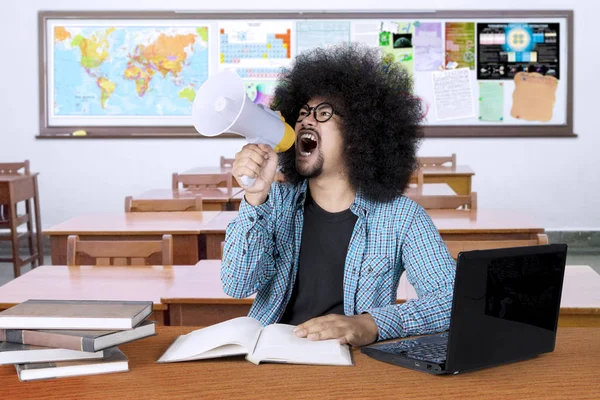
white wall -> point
(556, 180)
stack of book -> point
(59, 338)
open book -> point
(246, 336)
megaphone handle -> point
(247, 181)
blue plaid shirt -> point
(262, 246)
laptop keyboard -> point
(429, 350)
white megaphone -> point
(221, 105)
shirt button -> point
(251, 219)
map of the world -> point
(127, 71)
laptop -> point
(504, 309)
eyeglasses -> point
(322, 112)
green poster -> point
(491, 101)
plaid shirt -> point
(262, 246)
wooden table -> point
(184, 226)
(15, 189)
(459, 177)
(59, 282)
(570, 372)
(452, 225)
(212, 199)
(200, 299)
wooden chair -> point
(456, 246)
(120, 252)
(227, 162)
(11, 220)
(163, 205)
(464, 202)
(417, 179)
(203, 181)
(11, 169)
(438, 161)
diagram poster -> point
(504, 50)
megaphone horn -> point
(221, 105)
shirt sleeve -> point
(430, 269)
(248, 262)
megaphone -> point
(221, 105)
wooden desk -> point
(200, 299)
(15, 189)
(213, 233)
(459, 177)
(571, 371)
(580, 302)
(212, 199)
(184, 226)
(452, 225)
(59, 282)
(485, 224)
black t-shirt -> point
(319, 286)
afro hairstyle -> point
(381, 123)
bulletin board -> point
(135, 74)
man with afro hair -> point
(325, 250)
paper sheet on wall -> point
(453, 94)
(396, 41)
(534, 97)
(491, 101)
(460, 44)
(429, 47)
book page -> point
(233, 337)
(278, 343)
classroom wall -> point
(556, 180)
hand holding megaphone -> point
(258, 163)
(221, 105)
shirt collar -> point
(361, 205)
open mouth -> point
(307, 143)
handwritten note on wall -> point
(534, 97)
(453, 94)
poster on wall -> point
(396, 41)
(505, 49)
(460, 45)
(102, 73)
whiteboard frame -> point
(430, 131)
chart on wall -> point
(483, 72)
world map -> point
(127, 71)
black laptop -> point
(505, 308)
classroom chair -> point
(202, 181)
(438, 161)
(417, 179)
(11, 220)
(227, 162)
(120, 252)
(456, 246)
(453, 202)
(163, 205)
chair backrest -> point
(417, 179)
(163, 205)
(437, 161)
(14, 168)
(227, 162)
(120, 252)
(202, 181)
(453, 202)
(456, 246)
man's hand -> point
(357, 330)
(259, 162)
